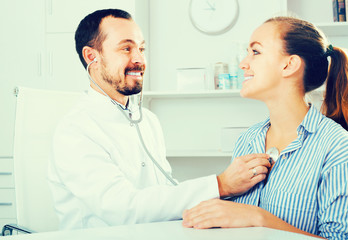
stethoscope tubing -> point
(136, 124)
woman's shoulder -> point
(335, 137)
(329, 129)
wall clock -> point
(213, 17)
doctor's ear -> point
(89, 54)
(293, 64)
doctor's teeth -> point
(249, 77)
(134, 73)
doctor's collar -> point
(99, 95)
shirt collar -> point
(310, 124)
(101, 97)
(259, 135)
(311, 121)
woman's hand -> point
(227, 214)
(220, 213)
(242, 174)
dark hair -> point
(305, 40)
(88, 32)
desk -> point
(164, 231)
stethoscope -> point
(273, 153)
(133, 122)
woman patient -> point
(306, 190)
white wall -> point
(175, 43)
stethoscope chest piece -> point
(273, 152)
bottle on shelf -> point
(221, 76)
(233, 72)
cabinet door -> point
(20, 63)
(7, 203)
(7, 108)
(7, 103)
(29, 26)
(65, 15)
(6, 173)
(65, 71)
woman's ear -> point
(293, 65)
(89, 54)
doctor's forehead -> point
(121, 30)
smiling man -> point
(120, 55)
(100, 173)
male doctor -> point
(100, 174)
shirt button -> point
(143, 164)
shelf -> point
(197, 153)
(334, 28)
(193, 94)
(202, 94)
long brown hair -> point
(335, 103)
(322, 62)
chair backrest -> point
(37, 114)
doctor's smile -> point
(135, 72)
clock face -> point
(213, 16)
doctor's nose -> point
(138, 57)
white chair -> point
(37, 114)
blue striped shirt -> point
(308, 185)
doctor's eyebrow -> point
(130, 41)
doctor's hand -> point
(242, 174)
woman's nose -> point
(244, 64)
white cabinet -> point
(6, 173)
(7, 192)
(22, 61)
(64, 71)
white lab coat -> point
(101, 176)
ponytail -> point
(335, 105)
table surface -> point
(163, 230)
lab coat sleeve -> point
(85, 168)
